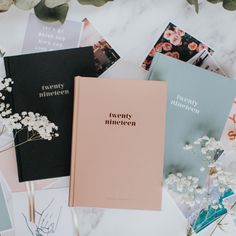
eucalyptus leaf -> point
(26, 4)
(195, 3)
(54, 3)
(5, 5)
(47, 14)
(215, 1)
(97, 3)
(229, 5)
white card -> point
(205, 60)
(53, 216)
(41, 36)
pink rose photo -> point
(176, 43)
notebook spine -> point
(74, 142)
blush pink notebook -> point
(118, 143)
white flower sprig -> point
(218, 181)
(188, 187)
(36, 126)
(5, 86)
(221, 179)
(209, 147)
(39, 125)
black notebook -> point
(43, 83)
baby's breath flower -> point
(202, 169)
(38, 126)
(188, 187)
(188, 147)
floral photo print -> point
(175, 42)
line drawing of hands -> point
(46, 221)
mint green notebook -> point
(198, 104)
(5, 220)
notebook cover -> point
(8, 170)
(198, 104)
(32, 75)
(118, 143)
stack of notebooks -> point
(116, 136)
(118, 129)
(118, 125)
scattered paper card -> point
(41, 36)
(205, 60)
(53, 216)
(228, 137)
(6, 138)
(176, 43)
(105, 55)
(230, 203)
(5, 219)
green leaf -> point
(26, 4)
(97, 3)
(5, 5)
(195, 3)
(47, 14)
(190, 231)
(215, 1)
(54, 3)
(229, 5)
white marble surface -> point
(132, 27)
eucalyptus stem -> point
(221, 220)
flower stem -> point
(14, 146)
(220, 221)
